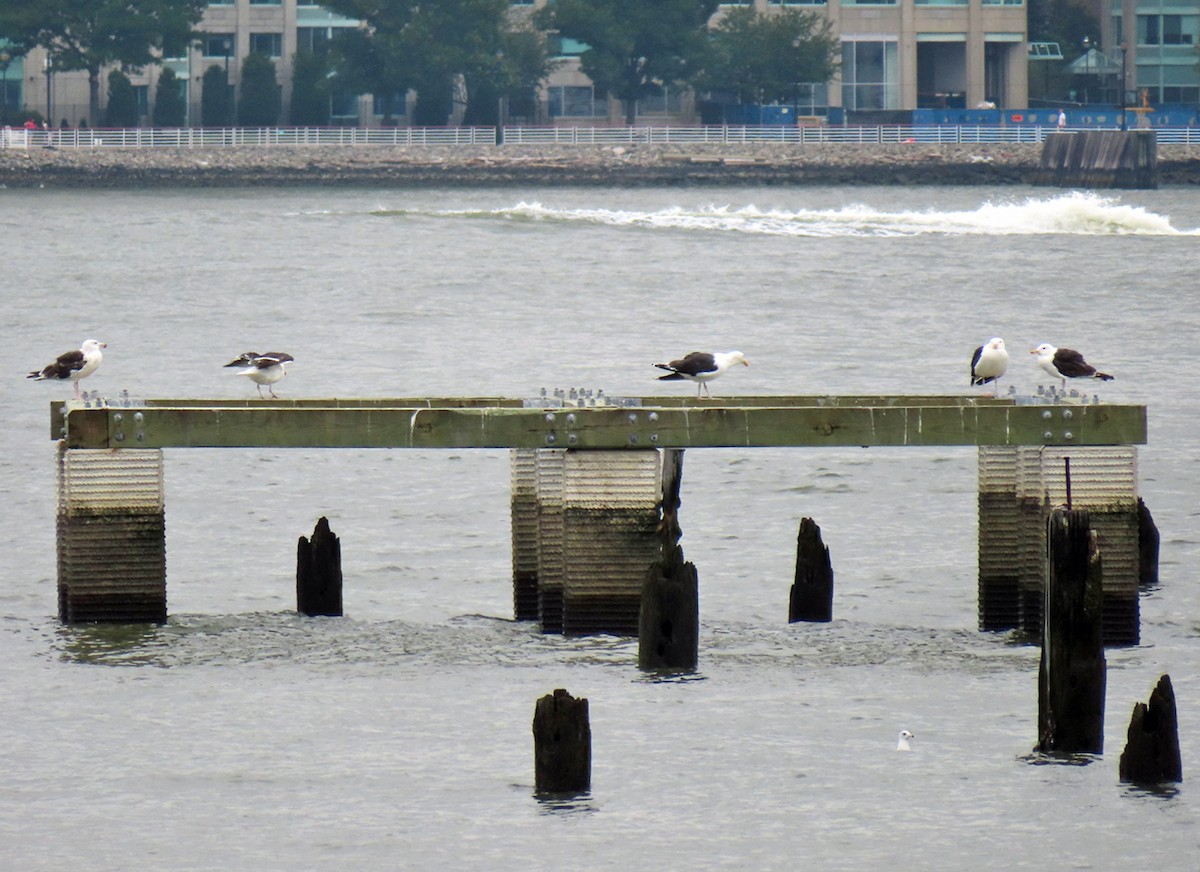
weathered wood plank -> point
(693, 426)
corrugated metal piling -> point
(1126, 159)
(587, 489)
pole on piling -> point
(319, 573)
(562, 744)
(1071, 676)
(811, 597)
(669, 616)
(1151, 754)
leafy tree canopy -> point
(89, 34)
(762, 58)
(634, 47)
(170, 108)
(259, 100)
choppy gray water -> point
(240, 737)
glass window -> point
(1147, 30)
(314, 39)
(268, 44)
(266, 2)
(868, 2)
(566, 48)
(797, 2)
(389, 104)
(576, 101)
(870, 75)
(1179, 29)
(219, 45)
(220, 2)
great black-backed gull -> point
(1065, 363)
(74, 365)
(989, 362)
(701, 367)
(902, 742)
(262, 369)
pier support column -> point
(550, 464)
(1017, 488)
(524, 513)
(112, 549)
(610, 518)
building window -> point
(267, 44)
(141, 95)
(266, 2)
(870, 75)
(389, 105)
(219, 45)
(665, 102)
(520, 2)
(1180, 29)
(868, 2)
(1147, 30)
(576, 102)
(220, 2)
(313, 39)
(1003, 2)
(797, 2)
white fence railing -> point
(232, 137)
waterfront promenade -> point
(517, 164)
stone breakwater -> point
(481, 166)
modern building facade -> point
(897, 55)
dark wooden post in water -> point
(811, 596)
(1147, 546)
(562, 744)
(1151, 754)
(319, 573)
(669, 619)
(1071, 677)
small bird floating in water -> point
(1065, 363)
(902, 743)
(74, 365)
(262, 369)
(989, 362)
(701, 367)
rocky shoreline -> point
(496, 166)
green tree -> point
(170, 106)
(259, 102)
(91, 34)
(430, 47)
(765, 58)
(215, 103)
(634, 47)
(522, 64)
(311, 87)
(122, 109)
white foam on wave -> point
(1075, 213)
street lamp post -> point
(5, 59)
(1124, 52)
(228, 88)
(1087, 66)
(49, 87)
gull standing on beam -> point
(262, 369)
(1065, 363)
(73, 365)
(989, 363)
(701, 367)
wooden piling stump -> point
(1151, 754)
(1071, 676)
(562, 744)
(319, 573)
(669, 621)
(811, 597)
(1147, 546)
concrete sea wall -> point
(631, 165)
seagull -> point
(701, 367)
(262, 369)
(902, 743)
(1066, 363)
(74, 365)
(989, 362)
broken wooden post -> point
(1147, 546)
(1151, 754)
(1071, 676)
(811, 596)
(669, 617)
(562, 744)
(319, 573)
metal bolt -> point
(1046, 414)
(1068, 414)
(120, 437)
(138, 417)
(1047, 435)
(571, 418)
(654, 437)
(549, 417)
(118, 417)
(1068, 435)
(550, 439)
(633, 438)
(654, 416)
(572, 438)
(632, 417)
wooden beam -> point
(725, 422)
